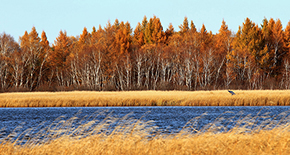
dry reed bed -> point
(133, 139)
(146, 98)
(264, 142)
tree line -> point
(118, 57)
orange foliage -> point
(116, 57)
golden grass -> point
(147, 98)
(265, 142)
(134, 138)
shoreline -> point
(146, 98)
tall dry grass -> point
(134, 137)
(147, 98)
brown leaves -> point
(190, 55)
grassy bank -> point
(135, 138)
(146, 98)
(264, 142)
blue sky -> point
(16, 16)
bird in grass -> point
(231, 92)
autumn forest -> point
(148, 57)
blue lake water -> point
(166, 119)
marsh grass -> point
(147, 98)
(131, 136)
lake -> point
(166, 120)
